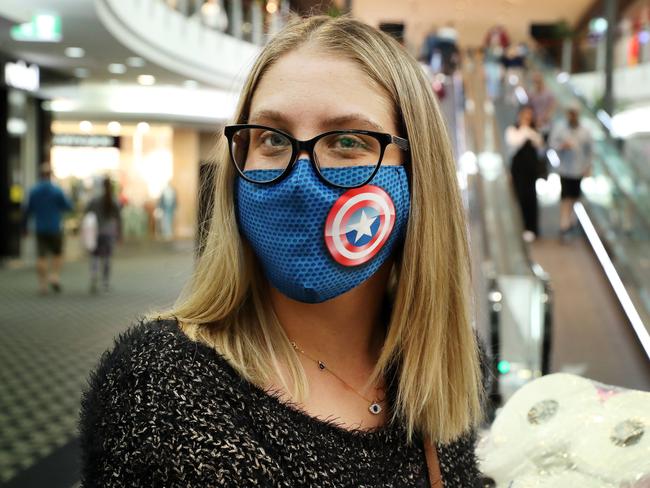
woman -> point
(495, 45)
(524, 144)
(325, 339)
(107, 213)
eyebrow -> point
(279, 117)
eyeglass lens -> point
(347, 159)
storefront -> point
(632, 46)
(24, 145)
(154, 169)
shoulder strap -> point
(435, 478)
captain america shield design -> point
(358, 225)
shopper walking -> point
(325, 339)
(46, 205)
(496, 43)
(574, 146)
(108, 224)
(167, 207)
(543, 102)
(524, 144)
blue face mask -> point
(315, 241)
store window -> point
(137, 157)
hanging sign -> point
(43, 27)
(83, 140)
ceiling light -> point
(146, 80)
(74, 52)
(598, 25)
(16, 127)
(85, 126)
(191, 84)
(210, 8)
(271, 7)
(135, 62)
(117, 68)
(63, 105)
(114, 127)
(81, 72)
(563, 77)
(142, 127)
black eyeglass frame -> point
(297, 147)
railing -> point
(518, 294)
(249, 21)
(179, 43)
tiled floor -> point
(49, 343)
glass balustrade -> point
(617, 194)
(251, 21)
(518, 297)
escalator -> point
(514, 300)
(544, 307)
(600, 279)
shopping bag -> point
(89, 231)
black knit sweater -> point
(164, 411)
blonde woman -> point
(325, 337)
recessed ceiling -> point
(80, 28)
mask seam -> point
(406, 197)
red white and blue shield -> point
(358, 225)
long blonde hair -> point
(429, 335)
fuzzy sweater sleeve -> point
(120, 433)
(140, 423)
(460, 454)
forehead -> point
(309, 85)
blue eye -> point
(274, 140)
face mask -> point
(315, 241)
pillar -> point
(236, 18)
(257, 21)
(610, 15)
(567, 53)
(185, 181)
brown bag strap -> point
(432, 463)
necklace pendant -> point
(375, 408)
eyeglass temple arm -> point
(400, 142)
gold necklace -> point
(374, 405)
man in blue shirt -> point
(46, 205)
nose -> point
(298, 184)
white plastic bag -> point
(566, 431)
(89, 231)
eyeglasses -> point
(265, 155)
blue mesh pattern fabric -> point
(284, 223)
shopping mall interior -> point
(137, 93)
